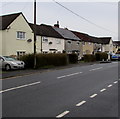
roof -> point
(6, 20)
(87, 38)
(45, 30)
(104, 40)
(67, 34)
(84, 37)
(117, 43)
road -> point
(86, 91)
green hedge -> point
(73, 58)
(43, 60)
(101, 56)
(89, 58)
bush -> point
(101, 56)
(73, 58)
(89, 58)
(43, 60)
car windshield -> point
(9, 58)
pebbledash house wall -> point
(57, 43)
(108, 47)
(88, 47)
(1, 45)
(10, 43)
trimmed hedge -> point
(43, 60)
(73, 58)
(101, 56)
(89, 58)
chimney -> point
(57, 25)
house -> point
(107, 44)
(48, 40)
(87, 44)
(116, 46)
(17, 36)
(72, 42)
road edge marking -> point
(81, 103)
(94, 95)
(103, 90)
(62, 114)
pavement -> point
(79, 91)
(14, 73)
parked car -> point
(115, 57)
(9, 63)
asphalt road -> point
(86, 91)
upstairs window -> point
(58, 41)
(45, 39)
(20, 35)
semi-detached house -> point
(48, 40)
(17, 36)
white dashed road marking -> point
(103, 90)
(96, 69)
(69, 75)
(116, 82)
(94, 95)
(62, 114)
(109, 85)
(22, 86)
(81, 103)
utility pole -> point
(34, 34)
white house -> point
(48, 40)
(17, 36)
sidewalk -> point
(16, 73)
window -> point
(20, 53)
(58, 41)
(20, 35)
(45, 39)
(83, 43)
(78, 43)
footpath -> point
(16, 73)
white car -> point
(9, 63)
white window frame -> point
(44, 39)
(21, 35)
(58, 41)
(20, 53)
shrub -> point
(101, 56)
(73, 58)
(89, 58)
(43, 60)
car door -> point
(2, 63)
(1, 60)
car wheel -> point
(7, 67)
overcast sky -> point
(102, 15)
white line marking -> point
(109, 86)
(116, 82)
(62, 114)
(23, 86)
(81, 103)
(69, 75)
(94, 95)
(103, 90)
(96, 69)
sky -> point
(95, 17)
